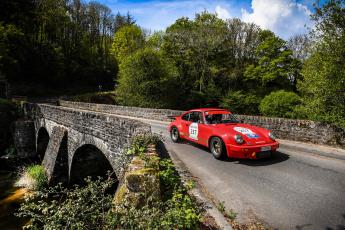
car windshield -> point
(220, 118)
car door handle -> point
(187, 125)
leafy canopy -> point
(126, 41)
(323, 83)
(275, 67)
(146, 79)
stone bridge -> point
(74, 143)
(75, 139)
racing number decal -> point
(193, 131)
(243, 130)
(249, 133)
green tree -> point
(275, 68)
(156, 40)
(240, 103)
(323, 83)
(10, 54)
(280, 104)
(193, 45)
(147, 79)
(126, 41)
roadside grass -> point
(33, 177)
(230, 214)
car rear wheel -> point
(175, 134)
(217, 148)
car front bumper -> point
(253, 151)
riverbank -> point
(10, 199)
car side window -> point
(185, 117)
(196, 117)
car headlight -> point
(271, 135)
(239, 139)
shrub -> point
(240, 103)
(280, 104)
(38, 176)
(140, 143)
(61, 208)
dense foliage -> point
(62, 208)
(196, 62)
(145, 80)
(323, 84)
(57, 43)
(280, 104)
(209, 62)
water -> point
(10, 199)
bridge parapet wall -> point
(155, 114)
(290, 129)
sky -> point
(284, 17)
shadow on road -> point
(276, 158)
(339, 226)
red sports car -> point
(223, 134)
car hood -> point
(252, 135)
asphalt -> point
(296, 189)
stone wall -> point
(23, 133)
(298, 130)
(155, 114)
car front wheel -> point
(174, 134)
(217, 148)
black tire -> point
(217, 148)
(175, 134)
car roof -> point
(206, 109)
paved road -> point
(293, 190)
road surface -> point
(293, 190)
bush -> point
(240, 103)
(280, 104)
(61, 208)
(38, 176)
(147, 79)
(140, 143)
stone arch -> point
(60, 169)
(88, 160)
(42, 141)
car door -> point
(203, 131)
(193, 126)
(196, 128)
(185, 125)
